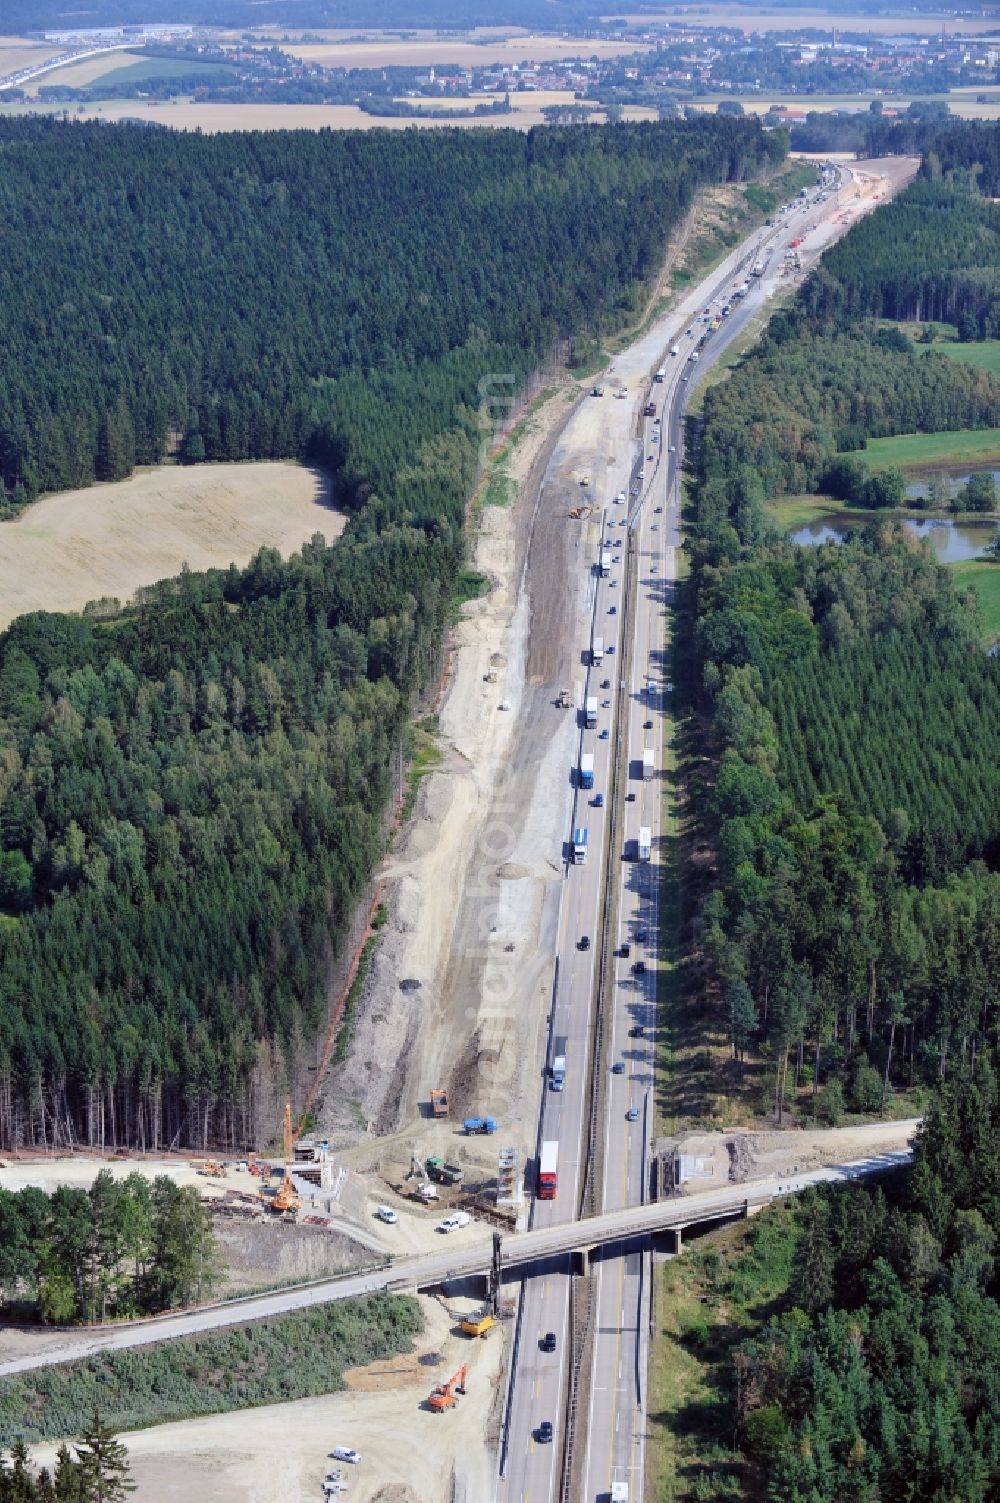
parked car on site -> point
(346, 1453)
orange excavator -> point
(286, 1200)
(443, 1395)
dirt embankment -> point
(457, 990)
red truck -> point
(548, 1178)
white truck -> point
(590, 714)
(645, 843)
(675, 349)
(647, 763)
(587, 770)
(661, 374)
(579, 846)
(558, 1078)
(597, 652)
(605, 564)
(619, 1492)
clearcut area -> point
(109, 540)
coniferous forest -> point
(192, 793)
(848, 795)
(850, 719)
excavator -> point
(286, 1201)
(443, 1394)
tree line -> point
(193, 788)
(852, 925)
(121, 1249)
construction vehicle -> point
(443, 1394)
(418, 1170)
(439, 1102)
(212, 1169)
(478, 1325)
(285, 1201)
(445, 1174)
(580, 513)
(564, 702)
(483, 1125)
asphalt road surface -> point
(613, 1429)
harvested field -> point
(108, 540)
(390, 52)
(212, 118)
(17, 53)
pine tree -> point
(105, 1476)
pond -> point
(947, 480)
(952, 541)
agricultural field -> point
(186, 114)
(18, 52)
(88, 70)
(984, 355)
(108, 540)
(963, 107)
(984, 577)
(751, 18)
(392, 52)
(916, 450)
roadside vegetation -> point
(272, 1362)
(194, 791)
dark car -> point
(625, 950)
(647, 725)
(638, 1032)
(548, 1342)
(618, 1068)
(545, 1432)
(638, 968)
(584, 941)
(605, 683)
(597, 802)
(630, 798)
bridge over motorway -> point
(464, 1256)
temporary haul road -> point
(603, 1156)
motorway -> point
(612, 1431)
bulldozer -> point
(563, 700)
(286, 1201)
(580, 513)
(442, 1395)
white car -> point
(346, 1453)
(387, 1214)
(454, 1222)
